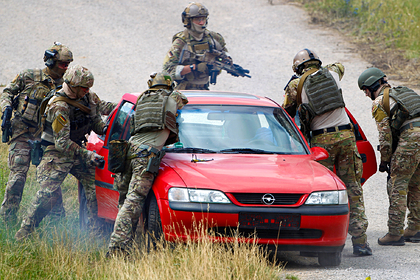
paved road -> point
(122, 42)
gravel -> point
(122, 42)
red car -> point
(241, 165)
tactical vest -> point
(155, 111)
(80, 122)
(31, 97)
(196, 47)
(323, 92)
(408, 99)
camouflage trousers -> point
(404, 185)
(133, 185)
(344, 156)
(19, 162)
(51, 173)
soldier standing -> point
(397, 115)
(151, 130)
(70, 115)
(316, 94)
(23, 96)
(180, 61)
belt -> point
(409, 126)
(332, 129)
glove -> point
(384, 166)
(95, 159)
(202, 68)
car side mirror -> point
(319, 153)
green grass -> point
(395, 24)
(59, 250)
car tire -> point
(154, 230)
(329, 259)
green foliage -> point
(393, 23)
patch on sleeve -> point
(59, 123)
(170, 54)
(378, 113)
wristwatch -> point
(192, 67)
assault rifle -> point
(216, 61)
(6, 125)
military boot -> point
(23, 233)
(411, 235)
(362, 250)
(389, 239)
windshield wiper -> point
(190, 150)
(245, 151)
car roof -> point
(218, 97)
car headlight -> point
(197, 195)
(328, 197)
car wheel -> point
(83, 216)
(329, 259)
(154, 225)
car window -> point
(228, 128)
(121, 126)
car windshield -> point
(236, 129)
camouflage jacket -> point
(290, 97)
(59, 114)
(384, 127)
(104, 107)
(23, 83)
(179, 43)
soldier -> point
(180, 62)
(23, 96)
(70, 115)
(397, 115)
(316, 94)
(149, 135)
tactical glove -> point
(384, 166)
(95, 159)
(202, 68)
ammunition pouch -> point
(36, 151)
(154, 162)
(118, 150)
(306, 115)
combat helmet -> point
(78, 76)
(58, 52)
(160, 79)
(192, 10)
(302, 57)
(369, 77)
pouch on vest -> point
(118, 150)
(33, 99)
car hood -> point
(253, 173)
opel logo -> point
(268, 199)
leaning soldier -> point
(151, 130)
(181, 61)
(316, 94)
(70, 115)
(23, 96)
(397, 114)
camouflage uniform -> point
(185, 41)
(403, 186)
(343, 154)
(23, 130)
(65, 128)
(135, 183)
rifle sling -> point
(73, 103)
(300, 85)
(385, 102)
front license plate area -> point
(269, 221)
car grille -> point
(256, 198)
(267, 233)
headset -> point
(49, 57)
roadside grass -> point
(59, 250)
(387, 31)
